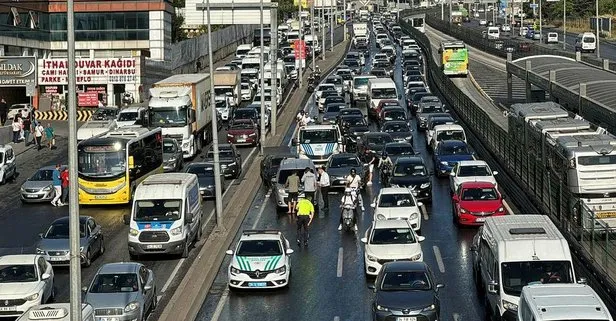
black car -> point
(352, 128)
(332, 110)
(424, 112)
(395, 150)
(230, 159)
(379, 72)
(411, 171)
(325, 95)
(406, 288)
(399, 131)
(414, 100)
(351, 111)
(372, 143)
(206, 177)
(340, 165)
(354, 65)
(105, 113)
(390, 113)
(271, 162)
(173, 159)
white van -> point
(166, 215)
(242, 50)
(95, 128)
(493, 32)
(55, 312)
(379, 89)
(512, 251)
(131, 115)
(318, 142)
(559, 302)
(586, 42)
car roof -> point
(375, 134)
(395, 122)
(453, 142)
(403, 266)
(344, 155)
(296, 164)
(394, 190)
(407, 159)
(119, 267)
(379, 224)
(478, 184)
(18, 259)
(393, 108)
(82, 219)
(252, 235)
(472, 163)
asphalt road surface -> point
(328, 282)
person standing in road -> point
(27, 126)
(292, 184)
(38, 134)
(57, 186)
(65, 190)
(16, 126)
(324, 184)
(305, 214)
(50, 135)
(310, 184)
(4, 109)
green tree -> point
(177, 20)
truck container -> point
(227, 84)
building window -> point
(119, 26)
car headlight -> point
(253, 134)
(510, 306)
(210, 187)
(302, 152)
(171, 160)
(414, 216)
(232, 164)
(424, 185)
(380, 217)
(229, 135)
(372, 258)
(81, 249)
(415, 257)
(462, 210)
(381, 308)
(281, 270)
(501, 209)
(48, 188)
(282, 190)
(39, 251)
(444, 163)
(429, 308)
(176, 231)
(32, 297)
(133, 232)
(186, 144)
(235, 271)
(409, 138)
(131, 307)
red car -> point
(243, 132)
(474, 201)
(382, 104)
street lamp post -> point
(331, 25)
(314, 40)
(540, 22)
(564, 24)
(300, 42)
(262, 85)
(597, 27)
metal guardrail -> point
(547, 191)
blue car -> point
(448, 154)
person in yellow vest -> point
(305, 214)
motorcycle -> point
(347, 217)
(385, 175)
(317, 76)
(311, 83)
(127, 99)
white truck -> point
(180, 105)
(313, 41)
(281, 74)
(227, 85)
(364, 15)
(95, 128)
(360, 29)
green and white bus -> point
(454, 58)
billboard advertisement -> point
(17, 71)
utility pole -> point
(314, 37)
(442, 9)
(73, 206)
(331, 25)
(597, 28)
(323, 29)
(344, 17)
(274, 62)
(301, 49)
(564, 24)
(217, 183)
(262, 85)
(540, 22)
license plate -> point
(154, 246)
(241, 140)
(257, 284)
(8, 308)
(107, 319)
(603, 215)
(406, 319)
(100, 197)
(31, 196)
(480, 219)
(56, 259)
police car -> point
(260, 260)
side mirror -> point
(373, 205)
(84, 289)
(45, 276)
(125, 219)
(148, 287)
(494, 173)
(493, 287)
(289, 251)
(294, 142)
(582, 281)
(421, 238)
(439, 286)
(455, 198)
(189, 218)
(420, 204)
(229, 252)
(364, 240)
(452, 174)
(40, 235)
(371, 286)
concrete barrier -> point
(6, 135)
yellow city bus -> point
(111, 166)
(454, 58)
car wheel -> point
(101, 250)
(52, 296)
(88, 259)
(186, 249)
(154, 301)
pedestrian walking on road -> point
(27, 126)
(4, 110)
(324, 184)
(65, 188)
(57, 186)
(292, 184)
(50, 135)
(39, 130)
(16, 126)
(310, 184)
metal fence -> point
(545, 188)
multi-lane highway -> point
(327, 279)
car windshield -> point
(244, 114)
(334, 108)
(431, 109)
(516, 275)
(18, 273)
(474, 170)
(450, 135)
(453, 150)
(158, 210)
(394, 115)
(418, 95)
(169, 116)
(589, 40)
(396, 200)
(378, 73)
(383, 236)
(403, 170)
(334, 99)
(245, 86)
(414, 78)
(352, 63)
(115, 283)
(169, 147)
(396, 128)
(42, 175)
(59, 231)
(322, 136)
(399, 150)
(379, 140)
(241, 125)
(479, 194)
(360, 81)
(326, 87)
(201, 170)
(351, 111)
(334, 80)
(405, 281)
(354, 121)
(259, 248)
(338, 162)
(128, 116)
(222, 153)
(380, 64)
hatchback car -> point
(448, 154)
(230, 160)
(399, 130)
(271, 162)
(39, 187)
(406, 291)
(54, 244)
(552, 37)
(243, 132)
(173, 159)
(122, 291)
(411, 171)
(390, 240)
(398, 203)
(26, 280)
(474, 201)
(206, 178)
(471, 171)
(340, 165)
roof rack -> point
(161, 181)
(251, 232)
(527, 230)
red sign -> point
(299, 48)
(87, 99)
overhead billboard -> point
(226, 12)
(18, 71)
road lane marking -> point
(172, 276)
(340, 262)
(220, 305)
(424, 210)
(263, 205)
(439, 259)
(336, 318)
(508, 208)
(456, 317)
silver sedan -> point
(39, 187)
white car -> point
(261, 260)
(223, 109)
(321, 88)
(246, 91)
(398, 203)
(390, 240)
(523, 31)
(446, 132)
(17, 108)
(552, 37)
(506, 28)
(483, 22)
(26, 280)
(471, 171)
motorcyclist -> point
(349, 198)
(354, 183)
(385, 166)
(317, 72)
